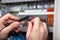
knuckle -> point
(43, 31)
(8, 14)
(37, 18)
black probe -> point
(26, 17)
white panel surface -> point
(57, 21)
(10, 1)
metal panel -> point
(57, 21)
(11, 1)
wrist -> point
(3, 39)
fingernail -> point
(17, 22)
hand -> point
(8, 18)
(37, 30)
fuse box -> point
(42, 9)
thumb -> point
(10, 27)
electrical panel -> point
(31, 8)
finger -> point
(22, 22)
(9, 16)
(9, 21)
(17, 29)
(42, 30)
(29, 29)
(45, 27)
(32, 21)
(10, 27)
(36, 23)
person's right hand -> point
(37, 31)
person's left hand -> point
(8, 18)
